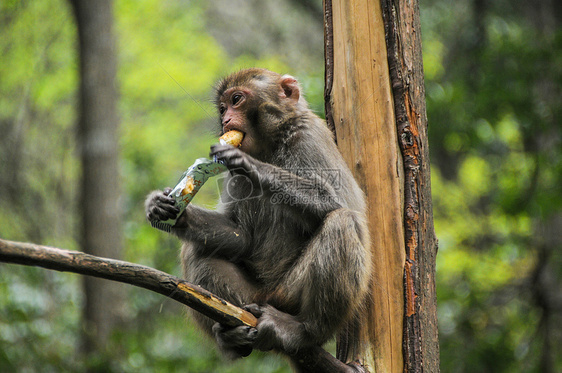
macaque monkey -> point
(289, 240)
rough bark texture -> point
(100, 232)
(403, 38)
(375, 103)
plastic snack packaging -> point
(193, 179)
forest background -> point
(493, 75)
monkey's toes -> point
(254, 309)
(237, 341)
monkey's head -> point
(261, 104)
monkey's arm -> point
(216, 232)
(310, 195)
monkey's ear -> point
(290, 88)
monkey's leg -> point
(228, 281)
(327, 282)
(211, 232)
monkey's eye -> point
(222, 109)
(236, 98)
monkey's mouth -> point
(242, 139)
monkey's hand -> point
(278, 330)
(234, 159)
(160, 206)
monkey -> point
(288, 240)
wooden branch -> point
(138, 275)
(314, 359)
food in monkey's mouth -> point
(232, 137)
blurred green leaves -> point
(493, 81)
(493, 90)
(168, 64)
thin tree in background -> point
(100, 232)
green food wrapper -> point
(189, 184)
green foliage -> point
(37, 81)
(493, 92)
(493, 84)
(168, 64)
(39, 320)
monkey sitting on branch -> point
(288, 241)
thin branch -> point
(314, 359)
(145, 277)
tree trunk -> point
(375, 104)
(98, 147)
(403, 39)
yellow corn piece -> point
(189, 186)
(233, 138)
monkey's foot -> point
(235, 342)
(277, 330)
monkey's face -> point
(233, 111)
(256, 102)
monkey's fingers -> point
(164, 199)
(159, 213)
(232, 158)
(218, 149)
(254, 309)
(162, 208)
(170, 209)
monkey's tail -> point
(349, 340)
